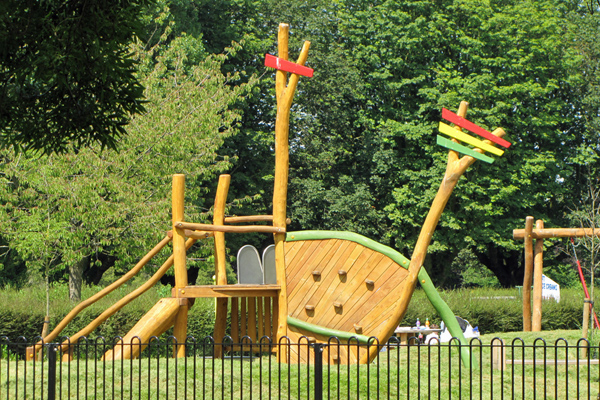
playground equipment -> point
(534, 263)
(327, 283)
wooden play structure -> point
(325, 284)
(534, 264)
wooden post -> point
(538, 266)
(220, 262)
(284, 95)
(179, 262)
(498, 354)
(45, 329)
(586, 323)
(528, 275)
(455, 168)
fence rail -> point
(253, 371)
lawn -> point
(399, 372)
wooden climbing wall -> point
(340, 285)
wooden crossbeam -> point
(549, 233)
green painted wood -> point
(353, 237)
(320, 330)
(442, 141)
(447, 316)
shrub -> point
(23, 312)
(498, 310)
(492, 310)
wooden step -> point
(238, 290)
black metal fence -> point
(253, 371)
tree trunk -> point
(76, 279)
(504, 264)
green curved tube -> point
(320, 330)
(447, 316)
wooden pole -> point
(284, 95)
(455, 168)
(538, 266)
(220, 262)
(586, 323)
(126, 299)
(179, 261)
(84, 304)
(528, 275)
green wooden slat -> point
(442, 141)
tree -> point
(67, 76)
(364, 156)
(587, 215)
(99, 208)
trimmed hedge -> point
(498, 310)
(492, 310)
(22, 313)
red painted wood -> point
(464, 123)
(287, 66)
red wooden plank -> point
(287, 66)
(464, 123)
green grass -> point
(410, 372)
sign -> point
(287, 66)
(550, 289)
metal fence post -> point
(51, 349)
(318, 347)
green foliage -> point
(563, 274)
(24, 312)
(110, 208)
(363, 153)
(67, 76)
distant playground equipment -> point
(534, 263)
(310, 285)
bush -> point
(23, 311)
(498, 310)
(492, 310)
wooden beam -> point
(248, 218)
(229, 228)
(179, 261)
(197, 234)
(125, 300)
(549, 233)
(179, 252)
(86, 303)
(226, 291)
(528, 275)
(285, 95)
(220, 261)
(538, 266)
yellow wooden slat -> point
(463, 137)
